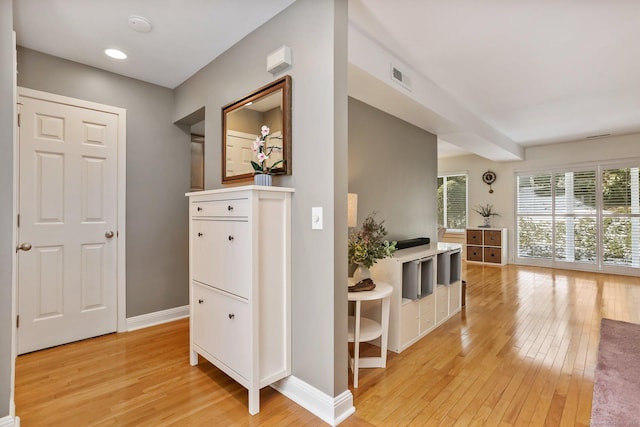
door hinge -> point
(18, 321)
(19, 119)
(18, 221)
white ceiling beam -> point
(425, 105)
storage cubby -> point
(456, 266)
(426, 290)
(487, 245)
(444, 268)
(417, 278)
(449, 267)
(426, 277)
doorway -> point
(71, 228)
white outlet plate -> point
(316, 218)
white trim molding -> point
(332, 410)
(157, 318)
(10, 421)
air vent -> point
(598, 136)
(400, 77)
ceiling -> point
(499, 75)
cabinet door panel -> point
(493, 255)
(427, 313)
(454, 296)
(474, 253)
(442, 303)
(409, 315)
(221, 255)
(474, 237)
(222, 327)
(492, 238)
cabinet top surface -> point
(486, 228)
(431, 249)
(241, 188)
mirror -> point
(241, 125)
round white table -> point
(363, 329)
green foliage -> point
(456, 189)
(368, 245)
(485, 211)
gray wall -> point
(6, 202)
(158, 174)
(393, 168)
(316, 30)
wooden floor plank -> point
(522, 352)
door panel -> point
(67, 287)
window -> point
(582, 216)
(452, 201)
(621, 217)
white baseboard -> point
(156, 318)
(332, 410)
(10, 421)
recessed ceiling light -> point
(115, 53)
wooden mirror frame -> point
(283, 84)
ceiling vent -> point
(400, 77)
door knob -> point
(23, 247)
(108, 234)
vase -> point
(361, 273)
(262, 179)
(487, 221)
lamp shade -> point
(352, 209)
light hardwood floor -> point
(522, 352)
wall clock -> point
(489, 177)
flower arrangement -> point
(263, 151)
(485, 211)
(368, 245)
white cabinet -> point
(239, 274)
(426, 290)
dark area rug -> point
(616, 392)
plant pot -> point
(487, 221)
(361, 273)
(263, 179)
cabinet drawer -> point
(427, 313)
(221, 326)
(474, 237)
(493, 238)
(231, 208)
(493, 255)
(474, 253)
(221, 255)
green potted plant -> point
(367, 246)
(486, 212)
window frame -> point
(600, 215)
(444, 176)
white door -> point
(239, 153)
(67, 281)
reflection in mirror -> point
(197, 162)
(242, 122)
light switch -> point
(316, 218)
